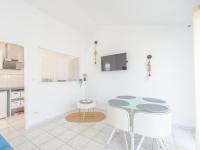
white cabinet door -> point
(15, 94)
(15, 104)
(3, 104)
(15, 52)
(2, 53)
(22, 94)
(3, 80)
(15, 80)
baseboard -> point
(46, 121)
(184, 127)
(57, 117)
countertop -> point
(11, 88)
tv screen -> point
(114, 62)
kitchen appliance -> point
(3, 104)
(14, 57)
(13, 65)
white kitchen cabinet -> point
(11, 78)
(15, 94)
(22, 94)
(15, 80)
(56, 66)
(15, 51)
(16, 100)
(3, 104)
(2, 53)
(15, 104)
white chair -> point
(153, 125)
(119, 119)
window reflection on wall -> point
(59, 67)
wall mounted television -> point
(114, 62)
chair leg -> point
(117, 131)
(111, 136)
(140, 143)
(162, 145)
(163, 141)
(158, 145)
(126, 141)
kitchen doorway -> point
(11, 88)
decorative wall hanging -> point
(95, 52)
(149, 57)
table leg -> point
(132, 141)
(132, 130)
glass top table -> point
(151, 105)
(143, 104)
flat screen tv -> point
(114, 62)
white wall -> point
(27, 26)
(171, 47)
(172, 67)
(197, 71)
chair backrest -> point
(154, 125)
(118, 118)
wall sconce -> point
(84, 77)
(95, 52)
(80, 81)
(149, 57)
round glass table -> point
(133, 104)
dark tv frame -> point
(122, 69)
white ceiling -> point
(85, 14)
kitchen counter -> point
(11, 88)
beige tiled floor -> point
(62, 135)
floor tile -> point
(9, 133)
(101, 138)
(68, 125)
(98, 126)
(26, 146)
(41, 139)
(78, 128)
(48, 126)
(90, 133)
(65, 147)
(67, 135)
(52, 144)
(58, 130)
(17, 141)
(59, 121)
(78, 142)
(18, 125)
(3, 124)
(33, 133)
(93, 146)
(107, 130)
